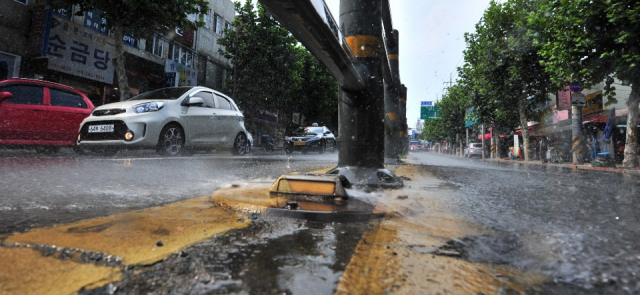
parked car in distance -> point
(473, 150)
(40, 114)
(171, 120)
(310, 138)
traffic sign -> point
(575, 87)
(426, 103)
(429, 112)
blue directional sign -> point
(426, 103)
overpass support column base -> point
(369, 177)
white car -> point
(171, 120)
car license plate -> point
(100, 128)
(298, 143)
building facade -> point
(77, 50)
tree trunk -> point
(496, 142)
(522, 109)
(121, 74)
(631, 147)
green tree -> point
(591, 41)
(449, 124)
(141, 17)
(318, 97)
(502, 65)
(272, 71)
(264, 60)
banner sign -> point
(469, 119)
(78, 51)
(183, 75)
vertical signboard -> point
(75, 50)
(564, 99)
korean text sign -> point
(79, 51)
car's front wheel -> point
(240, 144)
(171, 141)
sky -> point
(431, 44)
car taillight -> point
(472, 148)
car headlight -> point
(148, 107)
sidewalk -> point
(585, 166)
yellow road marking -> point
(140, 237)
(27, 271)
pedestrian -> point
(543, 148)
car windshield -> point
(163, 94)
(312, 130)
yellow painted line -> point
(392, 56)
(364, 45)
(394, 255)
(27, 271)
(140, 237)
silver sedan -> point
(171, 120)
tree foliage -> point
(590, 41)
(272, 71)
(451, 118)
(503, 67)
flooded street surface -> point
(39, 190)
(577, 227)
(460, 226)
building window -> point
(158, 46)
(219, 22)
(228, 26)
(207, 20)
(192, 17)
(182, 54)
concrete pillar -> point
(392, 143)
(361, 112)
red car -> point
(42, 114)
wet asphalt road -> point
(577, 227)
(40, 190)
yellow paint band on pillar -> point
(403, 100)
(392, 57)
(392, 117)
(576, 144)
(363, 46)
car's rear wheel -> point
(171, 141)
(240, 144)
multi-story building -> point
(60, 46)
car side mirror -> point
(5, 96)
(194, 101)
